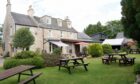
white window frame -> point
(59, 22)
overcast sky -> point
(80, 12)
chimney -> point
(8, 6)
(30, 11)
(68, 22)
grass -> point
(98, 74)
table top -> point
(75, 58)
(13, 71)
(118, 54)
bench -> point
(16, 71)
(66, 63)
(137, 79)
(105, 60)
(31, 78)
(125, 61)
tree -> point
(23, 38)
(131, 18)
(93, 29)
(113, 27)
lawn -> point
(98, 74)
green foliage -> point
(25, 54)
(57, 51)
(95, 50)
(6, 55)
(93, 29)
(137, 68)
(107, 48)
(12, 62)
(51, 59)
(131, 18)
(111, 28)
(23, 38)
(24, 58)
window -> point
(46, 20)
(61, 34)
(59, 22)
(69, 24)
(50, 33)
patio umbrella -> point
(82, 43)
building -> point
(99, 37)
(49, 32)
(115, 43)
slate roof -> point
(84, 37)
(26, 20)
(99, 37)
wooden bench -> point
(126, 61)
(105, 60)
(31, 78)
(137, 79)
(68, 65)
(16, 71)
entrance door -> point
(77, 50)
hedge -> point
(12, 62)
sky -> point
(80, 12)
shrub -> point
(6, 55)
(51, 59)
(25, 54)
(12, 62)
(107, 48)
(95, 50)
(57, 51)
(124, 49)
(137, 68)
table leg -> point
(19, 77)
(32, 75)
(85, 67)
(31, 72)
(59, 67)
(69, 70)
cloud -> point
(81, 12)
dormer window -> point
(46, 19)
(59, 22)
(69, 24)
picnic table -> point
(123, 60)
(134, 51)
(18, 71)
(69, 63)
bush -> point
(24, 58)
(25, 54)
(6, 55)
(137, 68)
(51, 59)
(107, 48)
(57, 51)
(12, 62)
(95, 50)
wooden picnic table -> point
(76, 61)
(123, 60)
(16, 70)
